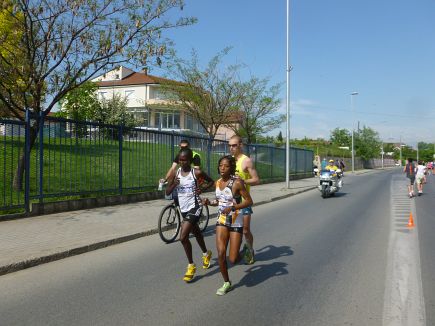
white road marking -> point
(403, 299)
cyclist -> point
(246, 171)
(185, 183)
(230, 191)
(196, 160)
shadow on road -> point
(260, 273)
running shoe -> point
(206, 260)
(227, 287)
(190, 272)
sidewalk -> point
(36, 240)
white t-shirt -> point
(420, 170)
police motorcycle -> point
(330, 182)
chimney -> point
(145, 71)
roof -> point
(136, 78)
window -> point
(102, 95)
(168, 120)
(155, 94)
(192, 124)
(128, 94)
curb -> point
(14, 267)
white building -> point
(147, 103)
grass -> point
(76, 168)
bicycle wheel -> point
(203, 219)
(169, 223)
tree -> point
(279, 138)
(257, 106)
(341, 137)
(80, 103)
(67, 42)
(11, 50)
(208, 95)
(367, 143)
(113, 111)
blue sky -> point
(384, 50)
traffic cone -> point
(410, 221)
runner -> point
(230, 191)
(420, 176)
(409, 169)
(185, 183)
(246, 171)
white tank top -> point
(186, 191)
(225, 198)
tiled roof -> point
(135, 78)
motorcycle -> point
(330, 182)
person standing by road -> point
(231, 197)
(185, 183)
(409, 169)
(246, 171)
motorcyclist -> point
(333, 168)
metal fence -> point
(73, 159)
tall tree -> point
(367, 143)
(67, 42)
(257, 105)
(209, 95)
(341, 137)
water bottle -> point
(161, 183)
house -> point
(147, 103)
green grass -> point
(76, 168)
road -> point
(345, 260)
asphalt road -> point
(318, 262)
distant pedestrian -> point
(420, 176)
(409, 169)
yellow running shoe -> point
(190, 272)
(206, 260)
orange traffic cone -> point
(410, 221)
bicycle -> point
(169, 224)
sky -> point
(383, 50)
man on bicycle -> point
(185, 183)
(196, 160)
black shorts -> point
(238, 229)
(192, 215)
(411, 179)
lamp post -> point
(288, 68)
(353, 151)
(382, 154)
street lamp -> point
(353, 151)
(288, 68)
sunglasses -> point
(233, 145)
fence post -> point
(120, 131)
(271, 161)
(173, 144)
(27, 163)
(209, 148)
(41, 155)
